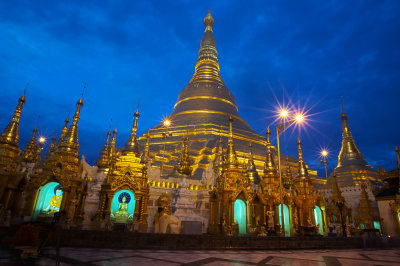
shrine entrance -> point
(240, 215)
(318, 220)
(285, 218)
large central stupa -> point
(202, 113)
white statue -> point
(209, 176)
(164, 222)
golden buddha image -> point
(55, 202)
(121, 215)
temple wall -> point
(352, 196)
(389, 224)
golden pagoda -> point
(351, 172)
(367, 218)
(125, 192)
(10, 184)
(352, 169)
(29, 154)
(200, 113)
(127, 182)
(58, 186)
(229, 202)
(269, 191)
(338, 211)
(309, 216)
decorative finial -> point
(208, 20)
(302, 171)
(136, 114)
(268, 135)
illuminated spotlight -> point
(167, 122)
(299, 118)
(324, 153)
(42, 139)
(284, 113)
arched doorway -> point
(285, 218)
(240, 215)
(48, 201)
(377, 225)
(123, 206)
(318, 220)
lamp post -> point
(165, 134)
(298, 118)
(324, 154)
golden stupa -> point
(202, 113)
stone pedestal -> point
(183, 208)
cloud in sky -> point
(126, 51)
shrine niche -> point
(125, 192)
(48, 200)
(123, 206)
(240, 215)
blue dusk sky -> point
(309, 52)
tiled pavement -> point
(86, 256)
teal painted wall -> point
(43, 200)
(240, 215)
(318, 220)
(286, 218)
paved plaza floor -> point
(86, 256)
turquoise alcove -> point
(286, 218)
(49, 200)
(240, 215)
(377, 225)
(318, 219)
(123, 206)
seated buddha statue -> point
(122, 215)
(55, 203)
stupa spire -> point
(349, 154)
(146, 152)
(104, 159)
(30, 151)
(111, 150)
(207, 66)
(219, 158)
(232, 162)
(63, 132)
(251, 168)
(10, 134)
(132, 143)
(51, 148)
(336, 193)
(303, 172)
(269, 167)
(289, 180)
(184, 167)
(70, 141)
